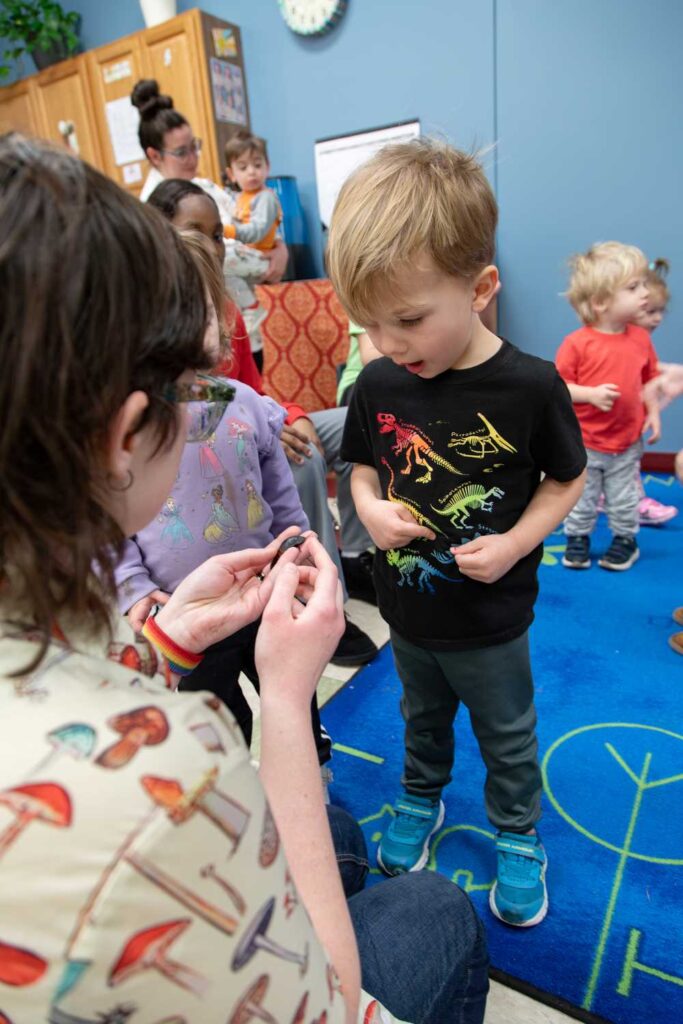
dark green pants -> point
(496, 686)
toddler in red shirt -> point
(605, 365)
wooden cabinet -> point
(18, 110)
(112, 71)
(65, 110)
(196, 58)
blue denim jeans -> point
(422, 946)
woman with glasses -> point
(143, 873)
(173, 151)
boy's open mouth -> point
(414, 367)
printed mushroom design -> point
(140, 656)
(19, 967)
(249, 1007)
(300, 1011)
(76, 739)
(255, 939)
(270, 840)
(42, 801)
(143, 727)
(222, 810)
(147, 950)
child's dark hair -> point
(242, 141)
(157, 114)
(168, 195)
(100, 299)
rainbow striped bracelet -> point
(179, 660)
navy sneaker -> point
(405, 844)
(577, 553)
(519, 895)
(621, 554)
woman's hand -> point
(296, 641)
(222, 595)
(277, 263)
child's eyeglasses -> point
(208, 398)
(182, 152)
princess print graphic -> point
(209, 464)
(255, 512)
(240, 433)
(175, 533)
(221, 522)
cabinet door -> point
(17, 108)
(113, 72)
(173, 57)
(65, 109)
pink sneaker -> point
(653, 513)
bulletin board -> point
(336, 157)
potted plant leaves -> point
(40, 28)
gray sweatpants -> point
(311, 482)
(614, 476)
(496, 685)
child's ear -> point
(230, 175)
(486, 284)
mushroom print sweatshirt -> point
(141, 871)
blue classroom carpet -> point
(609, 695)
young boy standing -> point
(605, 365)
(450, 433)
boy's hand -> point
(487, 558)
(137, 613)
(604, 396)
(654, 425)
(391, 525)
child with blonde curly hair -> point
(605, 364)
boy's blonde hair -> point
(599, 273)
(206, 261)
(412, 198)
(655, 279)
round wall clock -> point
(312, 17)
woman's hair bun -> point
(147, 98)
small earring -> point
(115, 486)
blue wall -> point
(590, 148)
(582, 98)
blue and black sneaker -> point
(405, 844)
(519, 895)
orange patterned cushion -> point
(305, 337)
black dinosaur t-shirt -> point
(464, 451)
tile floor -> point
(505, 1006)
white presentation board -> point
(337, 157)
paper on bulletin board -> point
(224, 42)
(228, 92)
(337, 158)
(123, 121)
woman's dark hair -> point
(168, 195)
(157, 113)
(100, 298)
